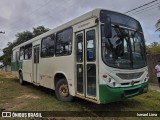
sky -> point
(21, 15)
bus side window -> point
(21, 57)
(91, 55)
(14, 56)
(17, 56)
(48, 46)
(64, 42)
(80, 48)
(28, 52)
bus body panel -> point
(43, 71)
(49, 67)
(27, 70)
(108, 94)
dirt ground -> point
(4, 74)
(16, 97)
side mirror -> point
(107, 27)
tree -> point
(20, 38)
(7, 52)
(23, 37)
(153, 48)
(27, 35)
(39, 30)
(154, 44)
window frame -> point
(59, 55)
(52, 35)
(130, 48)
(20, 53)
(95, 54)
(13, 58)
(77, 48)
(28, 51)
(17, 55)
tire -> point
(21, 81)
(62, 91)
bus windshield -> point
(125, 49)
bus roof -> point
(86, 16)
(77, 20)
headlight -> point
(146, 78)
(111, 82)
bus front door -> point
(36, 65)
(86, 63)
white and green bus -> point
(99, 56)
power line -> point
(145, 9)
(141, 6)
(29, 13)
(126, 12)
(38, 20)
(34, 11)
(41, 20)
(49, 16)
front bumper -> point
(108, 94)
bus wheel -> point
(62, 91)
(21, 81)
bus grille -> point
(128, 83)
(129, 76)
(128, 92)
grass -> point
(14, 97)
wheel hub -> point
(63, 90)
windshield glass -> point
(125, 49)
(120, 19)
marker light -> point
(104, 76)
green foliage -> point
(20, 38)
(39, 30)
(153, 48)
(6, 57)
(27, 35)
(23, 37)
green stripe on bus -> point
(108, 94)
(15, 66)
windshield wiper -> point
(124, 35)
(120, 32)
